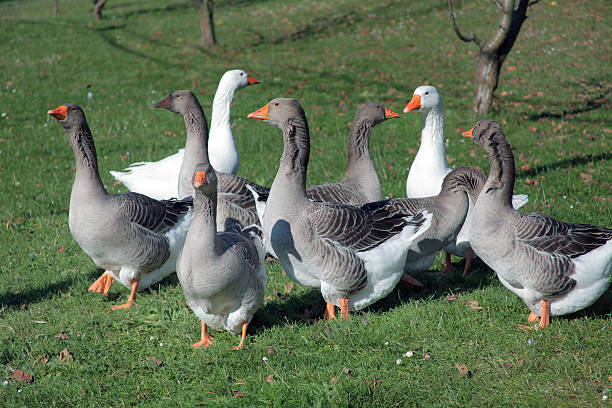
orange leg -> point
(469, 254)
(545, 320)
(408, 281)
(533, 317)
(102, 284)
(244, 329)
(344, 308)
(448, 265)
(206, 339)
(330, 313)
(131, 298)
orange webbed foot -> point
(206, 339)
(102, 284)
(469, 254)
(448, 265)
(408, 282)
(244, 330)
(545, 319)
(533, 318)
(344, 304)
(130, 301)
(330, 313)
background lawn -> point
(553, 103)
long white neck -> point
(429, 166)
(221, 146)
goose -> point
(354, 256)
(134, 238)
(429, 167)
(159, 179)
(556, 267)
(235, 203)
(222, 273)
(360, 184)
(449, 209)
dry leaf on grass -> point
(270, 379)
(65, 356)
(237, 394)
(288, 287)
(463, 370)
(62, 336)
(270, 350)
(156, 361)
(451, 298)
(22, 376)
(474, 305)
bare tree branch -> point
(472, 36)
(531, 3)
(498, 5)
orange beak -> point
(415, 103)
(251, 80)
(261, 113)
(468, 133)
(200, 179)
(390, 114)
(59, 113)
(164, 103)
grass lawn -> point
(467, 350)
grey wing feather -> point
(354, 227)
(547, 234)
(154, 215)
(407, 206)
(330, 193)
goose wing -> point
(154, 215)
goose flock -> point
(192, 214)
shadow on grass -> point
(307, 307)
(562, 164)
(591, 104)
(27, 297)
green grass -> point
(553, 102)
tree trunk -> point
(487, 79)
(493, 52)
(56, 6)
(207, 26)
(98, 9)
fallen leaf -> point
(65, 356)
(610, 378)
(237, 394)
(22, 376)
(463, 370)
(507, 365)
(62, 336)
(533, 128)
(288, 287)
(451, 298)
(62, 249)
(586, 177)
(530, 182)
(270, 350)
(347, 371)
(156, 361)
(525, 167)
(116, 183)
(270, 379)
(333, 380)
(511, 68)
(474, 305)
(282, 296)
(44, 360)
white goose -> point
(429, 167)
(556, 267)
(136, 239)
(159, 179)
(354, 256)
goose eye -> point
(275, 103)
(72, 108)
(427, 93)
(241, 74)
(378, 107)
(177, 96)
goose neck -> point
(294, 161)
(87, 176)
(501, 174)
(203, 223)
(433, 125)
(220, 121)
(195, 149)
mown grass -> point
(553, 102)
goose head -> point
(68, 115)
(424, 99)
(236, 79)
(278, 111)
(485, 132)
(204, 178)
(179, 102)
(375, 112)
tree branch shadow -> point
(563, 164)
(27, 297)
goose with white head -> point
(355, 256)
(160, 179)
(556, 267)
